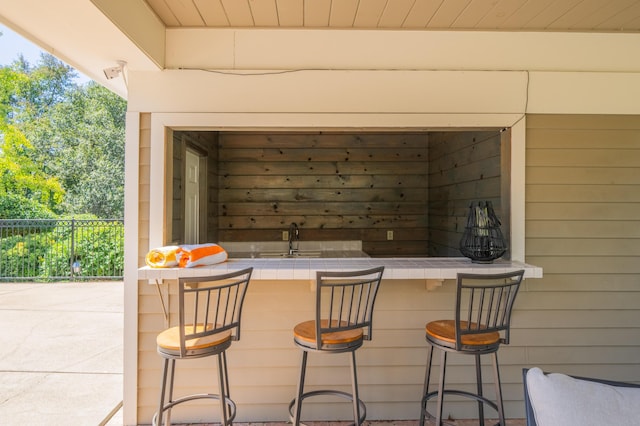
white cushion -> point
(561, 400)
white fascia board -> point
(286, 49)
(333, 92)
(584, 93)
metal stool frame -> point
(216, 301)
(344, 303)
(484, 303)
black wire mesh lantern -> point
(482, 241)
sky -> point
(12, 45)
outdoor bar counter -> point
(432, 270)
(264, 364)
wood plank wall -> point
(583, 228)
(463, 167)
(344, 186)
(335, 186)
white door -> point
(192, 199)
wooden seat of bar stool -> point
(209, 314)
(484, 303)
(306, 332)
(344, 311)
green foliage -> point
(74, 134)
(15, 206)
(93, 172)
(22, 255)
(20, 176)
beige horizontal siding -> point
(583, 228)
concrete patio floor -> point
(60, 353)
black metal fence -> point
(61, 250)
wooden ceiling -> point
(494, 15)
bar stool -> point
(343, 321)
(209, 320)
(482, 323)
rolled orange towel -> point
(191, 256)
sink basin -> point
(302, 253)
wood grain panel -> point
(320, 168)
(399, 154)
(328, 208)
(323, 181)
(463, 167)
(322, 140)
(311, 195)
(269, 180)
(354, 186)
(323, 222)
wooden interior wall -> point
(463, 167)
(335, 186)
(177, 206)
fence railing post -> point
(72, 249)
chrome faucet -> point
(294, 234)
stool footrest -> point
(171, 404)
(341, 394)
(456, 392)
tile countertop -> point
(435, 269)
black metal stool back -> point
(344, 301)
(343, 320)
(484, 304)
(209, 316)
(482, 322)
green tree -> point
(25, 190)
(93, 170)
(76, 132)
(20, 176)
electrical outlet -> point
(389, 235)
(285, 235)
